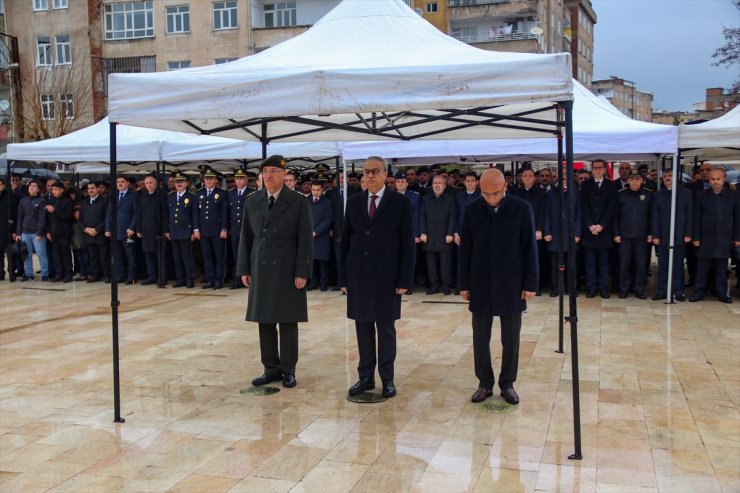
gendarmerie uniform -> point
(632, 224)
(182, 220)
(236, 199)
(213, 219)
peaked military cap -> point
(180, 177)
(400, 175)
(240, 173)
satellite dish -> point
(537, 30)
(419, 11)
(4, 105)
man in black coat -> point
(93, 214)
(59, 232)
(660, 221)
(8, 208)
(127, 216)
(537, 198)
(437, 228)
(322, 218)
(632, 234)
(552, 231)
(498, 274)
(336, 196)
(150, 227)
(598, 205)
(716, 230)
(376, 268)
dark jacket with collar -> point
(660, 218)
(93, 215)
(436, 220)
(598, 206)
(32, 216)
(323, 218)
(716, 222)
(60, 221)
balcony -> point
(468, 3)
(487, 38)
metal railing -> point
(468, 3)
(485, 38)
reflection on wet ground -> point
(660, 388)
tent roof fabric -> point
(368, 70)
(714, 139)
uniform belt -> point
(264, 243)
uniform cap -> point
(276, 161)
(240, 173)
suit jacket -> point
(377, 256)
(182, 216)
(276, 246)
(716, 222)
(94, 216)
(598, 206)
(127, 214)
(323, 219)
(463, 199)
(152, 218)
(213, 212)
(336, 196)
(660, 218)
(59, 222)
(498, 256)
(415, 199)
(437, 220)
(553, 219)
(537, 198)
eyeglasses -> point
(372, 172)
(493, 194)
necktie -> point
(371, 212)
(120, 196)
(239, 194)
(91, 201)
(208, 193)
(315, 200)
(178, 199)
(270, 202)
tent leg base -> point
(575, 457)
(119, 420)
(559, 351)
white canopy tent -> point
(717, 139)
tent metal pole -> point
(263, 140)
(573, 317)
(114, 278)
(161, 211)
(671, 240)
(561, 245)
(9, 191)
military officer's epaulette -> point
(622, 190)
(170, 193)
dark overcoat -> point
(498, 256)
(437, 220)
(152, 218)
(716, 222)
(336, 196)
(93, 216)
(598, 206)
(463, 199)
(59, 222)
(377, 256)
(537, 198)
(323, 218)
(553, 219)
(275, 247)
(415, 199)
(660, 217)
(8, 210)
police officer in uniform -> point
(182, 221)
(212, 230)
(236, 199)
(632, 234)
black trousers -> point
(62, 253)
(439, 266)
(99, 261)
(320, 275)
(544, 260)
(182, 257)
(212, 248)
(511, 327)
(719, 284)
(632, 252)
(234, 239)
(677, 286)
(386, 353)
(285, 358)
(126, 260)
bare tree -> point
(729, 53)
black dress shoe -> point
(335, 288)
(622, 296)
(266, 378)
(190, 285)
(696, 298)
(236, 285)
(218, 285)
(409, 292)
(538, 292)
(510, 396)
(605, 294)
(311, 287)
(724, 299)
(481, 395)
(93, 279)
(178, 284)
(389, 390)
(432, 291)
(553, 294)
(446, 291)
(641, 296)
(67, 279)
(679, 297)
(106, 280)
(129, 282)
(323, 288)
(363, 384)
(590, 295)
(658, 296)
(149, 281)
(208, 285)
(289, 381)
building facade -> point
(624, 95)
(582, 22)
(717, 102)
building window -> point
(178, 65)
(127, 65)
(224, 15)
(178, 19)
(64, 50)
(128, 20)
(219, 61)
(61, 4)
(2, 6)
(40, 5)
(281, 14)
(431, 7)
(47, 107)
(67, 105)
(43, 51)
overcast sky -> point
(665, 46)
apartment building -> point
(624, 95)
(582, 22)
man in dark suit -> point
(322, 218)
(236, 199)
(377, 267)
(660, 221)
(8, 210)
(150, 227)
(716, 231)
(93, 216)
(536, 196)
(127, 213)
(59, 232)
(212, 230)
(498, 274)
(598, 205)
(552, 231)
(182, 221)
(437, 228)
(274, 261)
(696, 188)
(336, 196)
